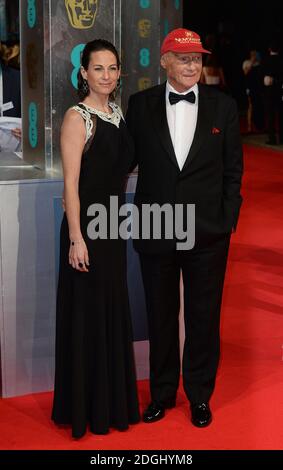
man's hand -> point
(17, 132)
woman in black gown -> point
(95, 383)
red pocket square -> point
(215, 130)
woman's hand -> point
(78, 255)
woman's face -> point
(102, 73)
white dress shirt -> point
(182, 121)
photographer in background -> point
(273, 82)
(10, 101)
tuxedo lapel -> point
(204, 122)
(157, 105)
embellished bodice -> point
(88, 113)
(107, 154)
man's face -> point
(82, 13)
(183, 69)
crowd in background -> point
(254, 78)
(251, 71)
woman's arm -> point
(72, 144)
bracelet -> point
(73, 242)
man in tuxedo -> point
(188, 150)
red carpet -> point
(247, 404)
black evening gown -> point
(95, 381)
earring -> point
(85, 87)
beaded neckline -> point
(113, 118)
(96, 111)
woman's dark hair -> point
(94, 46)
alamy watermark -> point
(150, 221)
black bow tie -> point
(175, 97)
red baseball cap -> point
(182, 40)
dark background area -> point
(12, 33)
(232, 30)
(249, 23)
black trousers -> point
(203, 271)
(274, 115)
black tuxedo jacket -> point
(211, 176)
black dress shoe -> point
(201, 414)
(156, 411)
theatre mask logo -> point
(144, 27)
(144, 82)
(82, 13)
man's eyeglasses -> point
(188, 60)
